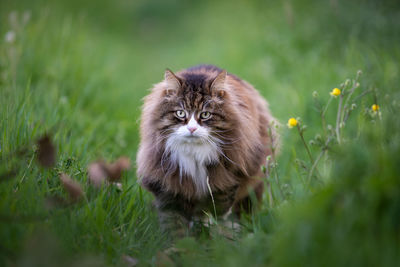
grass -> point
(78, 71)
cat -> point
(205, 134)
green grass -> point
(79, 71)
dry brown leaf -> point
(115, 169)
(129, 261)
(97, 173)
(46, 152)
(100, 171)
(73, 188)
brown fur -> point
(240, 118)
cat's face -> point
(192, 130)
(193, 110)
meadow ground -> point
(78, 71)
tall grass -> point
(77, 71)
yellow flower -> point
(375, 107)
(292, 123)
(335, 92)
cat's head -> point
(193, 109)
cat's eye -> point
(205, 115)
(180, 114)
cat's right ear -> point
(218, 85)
(172, 82)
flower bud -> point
(10, 37)
(263, 169)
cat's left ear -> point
(218, 85)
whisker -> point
(219, 150)
(225, 142)
(222, 131)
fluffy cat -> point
(203, 128)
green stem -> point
(326, 107)
(305, 144)
(269, 188)
(338, 119)
(314, 166)
(323, 124)
(323, 116)
(273, 156)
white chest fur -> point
(191, 157)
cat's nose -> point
(192, 129)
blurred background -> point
(79, 70)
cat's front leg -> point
(173, 223)
(170, 209)
(174, 214)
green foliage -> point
(354, 220)
(78, 70)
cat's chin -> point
(191, 139)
